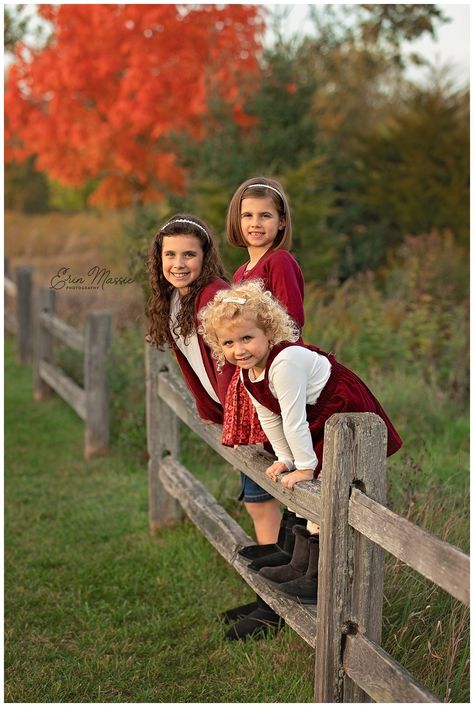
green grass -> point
(96, 610)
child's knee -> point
(263, 509)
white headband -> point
(186, 220)
(267, 186)
(238, 300)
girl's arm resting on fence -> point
(273, 428)
(289, 380)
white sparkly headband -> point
(238, 300)
(186, 220)
(267, 186)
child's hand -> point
(299, 475)
(274, 471)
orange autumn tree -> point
(100, 100)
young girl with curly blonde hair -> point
(295, 388)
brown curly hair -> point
(158, 306)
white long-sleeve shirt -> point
(190, 349)
(296, 378)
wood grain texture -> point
(43, 350)
(366, 604)
(65, 387)
(306, 497)
(435, 559)
(381, 677)
(97, 341)
(63, 331)
(228, 537)
(24, 314)
(334, 560)
(162, 439)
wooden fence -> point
(356, 527)
(19, 318)
(36, 327)
(91, 403)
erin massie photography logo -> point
(96, 279)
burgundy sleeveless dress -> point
(344, 392)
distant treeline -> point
(366, 157)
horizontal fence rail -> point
(438, 561)
(63, 331)
(356, 528)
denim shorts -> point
(251, 492)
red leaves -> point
(100, 100)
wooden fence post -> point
(350, 592)
(162, 439)
(44, 342)
(97, 341)
(24, 299)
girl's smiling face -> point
(260, 222)
(182, 259)
(244, 344)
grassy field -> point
(96, 610)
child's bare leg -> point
(266, 519)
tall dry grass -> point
(78, 241)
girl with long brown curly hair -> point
(185, 271)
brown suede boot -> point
(305, 589)
(285, 550)
(299, 561)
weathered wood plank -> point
(162, 438)
(44, 343)
(379, 675)
(24, 314)
(306, 497)
(97, 341)
(64, 386)
(334, 561)
(63, 331)
(228, 537)
(370, 445)
(442, 563)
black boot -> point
(299, 561)
(260, 623)
(239, 612)
(305, 589)
(252, 552)
(285, 550)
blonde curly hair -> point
(248, 300)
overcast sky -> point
(450, 47)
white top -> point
(296, 378)
(191, 350)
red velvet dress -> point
(283, 277)
(344, 392)
(208, 409)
